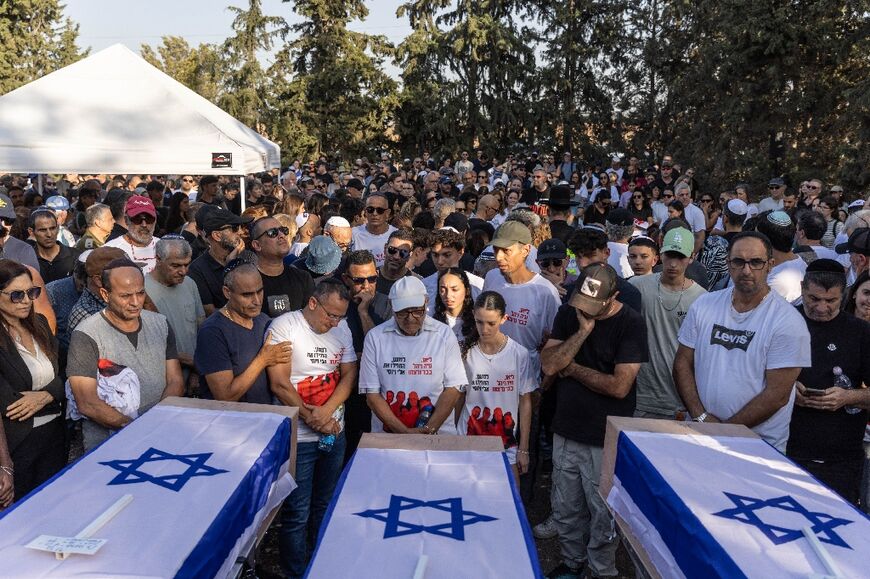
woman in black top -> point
(31, 393)
(639, 207)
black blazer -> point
(14, 379)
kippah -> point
(826, 265)
(779, 218)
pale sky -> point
(134, 22)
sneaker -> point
(545, 530)
(563, 571)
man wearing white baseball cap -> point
(411, 370)
(307, 228)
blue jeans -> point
(317, 473)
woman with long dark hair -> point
(503, 405)
(858, 299)
(639, 207)
(31, 391)
(454, 302)
(178, 204)
(828, 208)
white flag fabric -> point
(201, 480)
(458, 508)
(709, 507)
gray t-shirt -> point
(663, 311)
(144, 351)
(182, 307)
(19, 251)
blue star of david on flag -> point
(454, 529)
(130, 473)
(823, 525)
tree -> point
(246, 86)
(200, 69)
(35, 40)
(349, 99)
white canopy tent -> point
(114, 113)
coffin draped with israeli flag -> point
(458, 511)
(727, 506)
(202, 481)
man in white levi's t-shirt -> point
(318, 380)
(741, 349)
(411, 371)
(532, 301)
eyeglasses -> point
(379, 210)
(331, 316)
(361, 280)
(400, 251)
(273, 232)
(140, 219)
(812, 186)
(755, 263)
(17, 296)
(411, 313)
(545, 263)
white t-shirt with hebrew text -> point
(316, 360)
(411, 372)
(362, 239)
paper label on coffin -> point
(458, 508)
(740, 514)
(201, 480)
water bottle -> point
(425, 415)
(326, 441)
(843, 382)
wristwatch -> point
(701, 417)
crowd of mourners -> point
(528, 297)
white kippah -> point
(337, 221)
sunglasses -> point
(140, 219)
(7, 222)
(379, 210)
(400, 251)
(773, 187)
(706, 200)
(637, 196)
(187, 180)
(668, 195)
(361, 280)
(235, 228)
(545, 263)
(273, 232)
(17, 296)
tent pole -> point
(242, 191)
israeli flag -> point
(707, 506)
(202, 481)
(453, 513)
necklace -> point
(491, 357)
(679, 298)
(228, 315)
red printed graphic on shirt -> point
(409, 407)
(316, 390)
(486, 422)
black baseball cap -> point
(220, 218)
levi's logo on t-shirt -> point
(731, 339)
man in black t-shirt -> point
(595, 351)
(825, 436)
(285, 288)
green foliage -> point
(200, 69)
(35, 40)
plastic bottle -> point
(424, 416)
(326, 441)
(843, 381)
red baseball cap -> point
(138, 204)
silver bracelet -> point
(8, 470)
